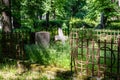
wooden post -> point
(111, 68)
(105, 55)
(88, 57)
(93, 58)
(98, 58)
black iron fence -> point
(12, 43)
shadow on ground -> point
(64, 75)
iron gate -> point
(95, 58)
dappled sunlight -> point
(8, 72)
(48, 72)
(59, 39)
(41, 63)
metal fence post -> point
(118, 60)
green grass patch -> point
(57, 54)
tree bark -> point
(103, 20)
(16, 22)
(47, 20)
(113, 0)
(6, 16)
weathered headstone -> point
(42, 38)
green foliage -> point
(64, 26)
(87, 34)
(113, 25)
(28, 13)
(47, 6)
(56, 54)
(27, 23)
(41, 24)
(74, 8)
(95, 7)
(1, 7)
(37, 54)
(61, 55)
(78, 23)
(89, 23)
(1, 77)
(57, 23)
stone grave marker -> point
(42, 38)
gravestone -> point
(42, 38)
(60, 36)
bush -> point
(57, 54)
(41, 24)
(37, 54)
(89, 23)
(27, 23)
(113, 25)
(78, 23)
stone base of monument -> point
(42, 38)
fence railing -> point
(12, 43)
(98, 34)
(93, 57)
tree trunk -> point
(40, 16)
(54, 14)
(16, 18)
(47, 20)
(6, 17)
(113, 0)
(103, 20)
(6, 22)
(16, 22)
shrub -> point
(41, 24)
(113, 25)
(37, 54)
(78, 23)
(27, 23)
(89, 23)
(57, 54)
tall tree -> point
(47, 9)
(105, 8)
(31, 12)
(15, 13)
(6, 16)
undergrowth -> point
(57, 54)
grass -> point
(57, 54)
(9, 72)
(55, 58)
